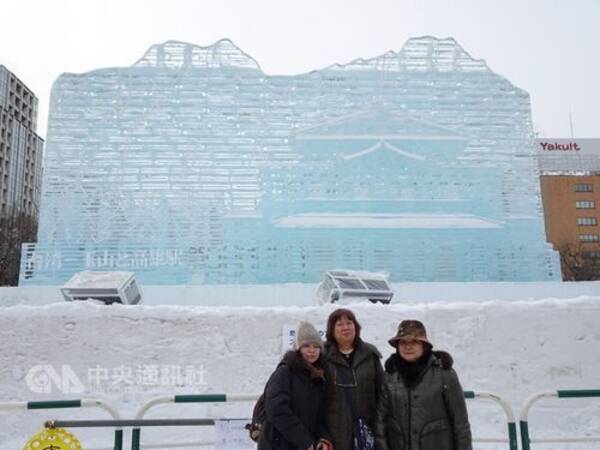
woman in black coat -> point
(354, 378)
(422, 406)
(295, 398)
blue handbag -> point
(363, 436)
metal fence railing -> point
(527, 440)
(511, 439)
(118, 423)
(59, 404)
(202, 398)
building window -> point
(591, 255)
(589, 237)
(585, 204)
(583, 188)
(587, 221)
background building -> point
(194, 166)
(21, 149)
(21, 152)
(570, 181)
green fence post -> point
(524, 435)
(135, 439)
(118, 439)
(512, 435)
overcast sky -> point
(551, 48)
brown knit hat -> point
(307, 334)
(410, 330)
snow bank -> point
(509, 348)
(304, 294)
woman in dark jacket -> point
(422, 406)
(295, 396)
(354, 374)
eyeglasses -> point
(352, 384)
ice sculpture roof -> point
(177, 55)
(425, 53)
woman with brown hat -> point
(294, 398)
(354, 377)
(422, 406)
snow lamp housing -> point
(106, 287)
(348, 285)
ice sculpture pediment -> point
(366, 133)
(377, 124)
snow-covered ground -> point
(508, 339)
(304, 294)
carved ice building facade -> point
(193, 166)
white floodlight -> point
(107, 287)
(347, 285)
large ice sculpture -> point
(193, 166)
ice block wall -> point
(194, 166)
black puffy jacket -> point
(294, 406)
(428, 413)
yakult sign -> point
(587, 146)
(550, 147)
(559, 156)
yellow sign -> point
(53, 439)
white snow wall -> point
(509, 348)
